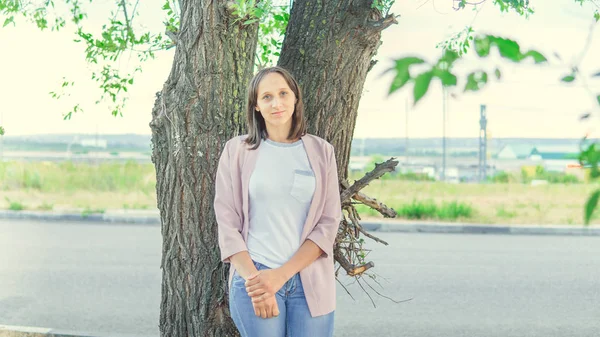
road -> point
(104, 279)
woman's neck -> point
(279, 135)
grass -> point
(488, 203)
(96, 188)
(502, 212)
(88, 211)
(49, 177)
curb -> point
(152, 218)
(25, 331)
(133, 217)
(401, 227)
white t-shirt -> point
(280, 193)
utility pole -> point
(406, 134)
(482, 144)
(444, 134)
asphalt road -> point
(105, 280)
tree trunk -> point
(329, 46)
(200, 107)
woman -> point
(277, 204)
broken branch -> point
(378, 171)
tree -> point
(328, 45)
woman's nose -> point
(276, 102)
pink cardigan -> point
(231, 208)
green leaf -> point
(8, 21)
(568, 78)
(590, 205)
(422, 85)
(537, 56)
(598, 99)
(1, 131)
(402, 72)
(450, 56)
(476, 80)
(508, 49)
(597, 15)
(591, 157)
(399, 81)
(482, 46)
(404, 63)
(447, 78)
(471, 83)
(498, 73)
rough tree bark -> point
(200, 107)
(329, 47)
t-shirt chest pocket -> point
(303, 186)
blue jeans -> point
(294, 318)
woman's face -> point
(275, 101)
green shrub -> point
(14, 205)
(428, 209)
(500, 178)
(418, 210)
(454, 210)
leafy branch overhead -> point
(120, 36)
(273, 23)
(442, 69)
(520, 7)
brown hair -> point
(257, 130)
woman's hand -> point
(264, 284)
(267, 308)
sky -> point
(529, 100)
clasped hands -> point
(262, 287)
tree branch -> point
(384, 23)
(351, 269)
(380, 170)
(124, 5)
(372, 237)
(134, 9)
(173, 36)
(372, 202)
(386, 297)
(354, 217)
(346, 289)
(371, 65)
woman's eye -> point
(284, 93)
(267, 97)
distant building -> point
(358, 164)
(515, 151)
(92, 142)
(554, 152)
(532, 152)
